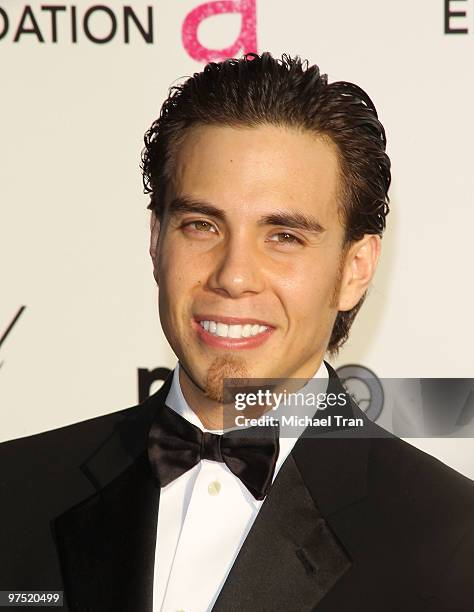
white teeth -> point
(235, 331)
(222, 330)
(232, 331)
(247, 330)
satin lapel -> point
(293, 555)
(290, 558)
(334, 463)
(106, 543)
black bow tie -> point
(175, 446)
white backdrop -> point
(74, 225)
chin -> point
(220, 368)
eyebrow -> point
(291, 219)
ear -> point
(155, 226)
(358, 270)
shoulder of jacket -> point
(58, 449)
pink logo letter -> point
(247, 39)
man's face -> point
(252, 243)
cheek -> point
(309, 287)
(307, 296)
(179, 273)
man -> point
(268, 200)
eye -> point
(286, 238)
(199, 226)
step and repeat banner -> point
(80, 84)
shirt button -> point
(214, 488)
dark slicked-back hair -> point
(260, 90)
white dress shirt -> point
(204, 517)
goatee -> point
(225, 366)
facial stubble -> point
(222, 367)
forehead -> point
(247, 169)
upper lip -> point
(231, 320)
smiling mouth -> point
(224, 330)
(231, 332)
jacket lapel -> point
(293, 554)
(106, 543)
(334, 462)
(290, 558)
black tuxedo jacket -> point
(350, 523)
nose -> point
(238, 269)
